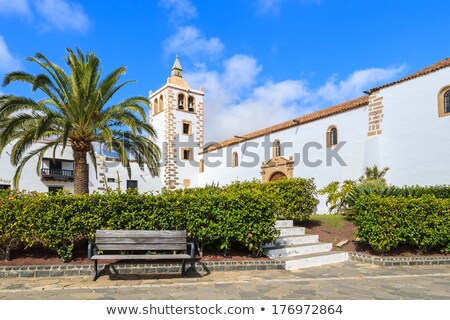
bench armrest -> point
(192, 253)
(90, 250)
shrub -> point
(337, 195)
(387, 222)
(241, 214)
(291, 198)
(16, 221)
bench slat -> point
(103, 240)
(140, 233)
(150, 246)
(140, 257)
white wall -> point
(415, 141)
(352, 128)
(30, 181)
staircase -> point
(299, 250)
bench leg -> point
(95, 271)
(183, 269)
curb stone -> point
(138, 268)
(398, 261)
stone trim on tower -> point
(375, 114)
(182, 105)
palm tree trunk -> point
(81, 172)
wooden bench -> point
(140, 245)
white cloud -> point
(236, 103)
(63, 15)
(240, 71)
(20, 7)
(7, 60)
(179, 10)
(336, 91)
(273, 5)
(189, 42)
(49, 14)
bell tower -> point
(176, 113)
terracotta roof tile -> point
(346, 106)
(178, 81)
(434, 67)
(343, 107)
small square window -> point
(187, 128)
(111, 180)
(186, 154)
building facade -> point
(403, 125)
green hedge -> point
(442, 191)
(242, 214)
(291, 198)
(387, 222)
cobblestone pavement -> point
(347, 280)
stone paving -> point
(349, 280)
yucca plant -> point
(75, 112)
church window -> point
(202, 166)
(332, 137)
(444, 102)
(155, 106)
(276, 149)
(447, 102)
(161, 104)
(191, 104)
(235, 160)
(181, 101)
(186, 154)
(187, 127)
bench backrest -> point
(140, 240)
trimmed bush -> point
(242, 214)
(387, 222)
(291, 198)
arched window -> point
(155, 106)
(181, 101)
(201, 166)
(191, 104)
(161, 103)
(444, 102)
(235, 160)
(332, 137)
(276, 152)
(447, 102)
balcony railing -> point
(56, 174)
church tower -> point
(176, 113)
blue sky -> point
(260, 61)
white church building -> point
(404, 125)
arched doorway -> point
(276, 169)
(277, 176)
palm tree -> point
(74, 112)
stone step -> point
(297, 250)
(284, 224)
(290, 240)
(313, 260)
(291, 231)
